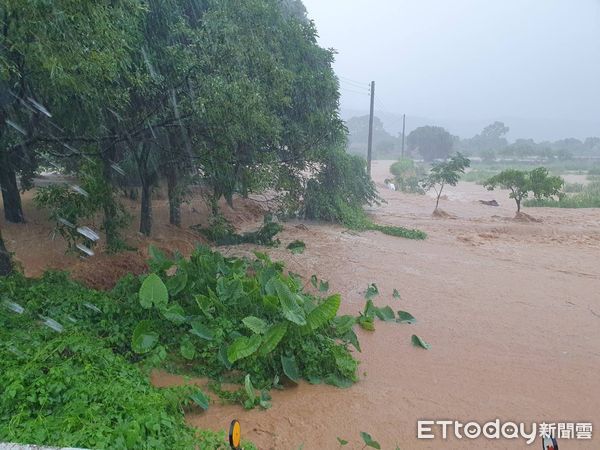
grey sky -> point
(470, 60)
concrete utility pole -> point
(370, 148)
(403, 130)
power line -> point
(351, 81)
(345, 89)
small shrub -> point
(407, 176)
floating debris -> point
(80, 190)
(88, 233)
(53, 324)
(14, 307)
(86, 250)
(92, 307)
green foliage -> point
(229, 320)
(521, 183)
(419, 342)
(446, 173)
(408, 176)
(369, 441)
(339, 191)
(296, 247)
(589, 197)
(71, 390)
(222, 232)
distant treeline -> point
(432, 142)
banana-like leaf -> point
(256, 325)
(290, 368)
(272, 338)
(243, 347)
(325, 312)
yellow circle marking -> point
(235, 434)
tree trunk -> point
(5, 260)
(174, 196)
(13, 210)
(518, 205)
(146, 213)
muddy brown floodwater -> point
(510, 308)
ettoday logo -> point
(496, 429)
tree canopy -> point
(431, 142)
(236, 97)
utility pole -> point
(403, 130)
(370, 148)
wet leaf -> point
(419, 342)
(405, 317)
(153, 292)
(144, 339)
(368, 440)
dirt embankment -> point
(510, 307)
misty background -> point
(465, 64)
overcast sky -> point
(468, 60)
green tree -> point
(514, 180)
(57, 66)
(431, 142)
(445, 173)
(520, 183)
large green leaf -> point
(343, 324)
(187, 349)
(177, 283)
(405, 317)
(419, 342)
(202, 331)
(200, 399)
(290, 368)
(144, 339)
(289, 304)
(153, 292)
(174, 313)
(325, 312)
(243, 347)
(272, 338)
(256, 325)
(249, 389)
(368, 440)
(385, 313)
